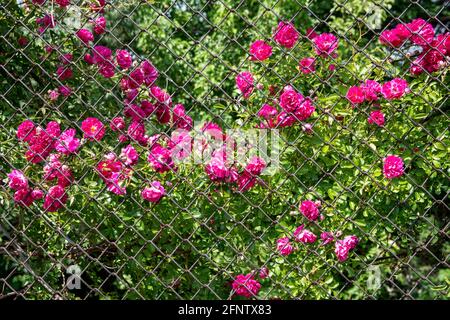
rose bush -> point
(95, 128)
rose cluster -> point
(294, 108)
(344, 246)
(220, 169)
(116, 171)
(41, 142)
(23, 195)
(47, 145)
(246, 285)
(310, 210)
(433, 49)
(63, 72)
(101, 56)
(286, 35)
(371, 90)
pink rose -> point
(106, 70)
(267, 112)
(136, 77)
(65, 90)
(180, 144)
(216, 169)
(109, 168)
(307, 65)
(117, 123)
(26, 130)
(351, 241)
(390, 38)
(54, 169)
(326, 237)
(154, 192)
(22, 41)
(66, 58)
(64, 73)
(88, 58)
(53, 129)
(310, 33)
(64, 176)
(341, 251)
(259, 50)
(180, 119)
(284, 246)
(101, 54)
(17, 180)
(55, 199)
(123, 138)
(305, 110)
(124, 59)
(93, 129)
(41, 143)
(161, 96)
(246, 286)
(429, 60)
(309, 209)
(402, 31)
(147, 107)
(304, 235)
(46, 22)
(23, 197)
(129, 155)
(67, 143)
(371, 89)
(115, 186)
(286, 35)
(308, 128)
(422, 33)
(393, 167)
(245, 83)
(136, 131)
(376, 117)
(160, 159)
(134, 112)
(99, 25)
(263, 272)
(284, 119)
(325, 44)
(245, 180)
(255, 166)
(53, 95)
(37, 194)
(394, 89)
(355, 95)
(290, 100)
(63, 3)
(85, 36)
(150, 73)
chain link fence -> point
(224, 149)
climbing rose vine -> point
(121, 146)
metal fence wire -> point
(224, 149)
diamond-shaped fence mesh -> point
(224, 149)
